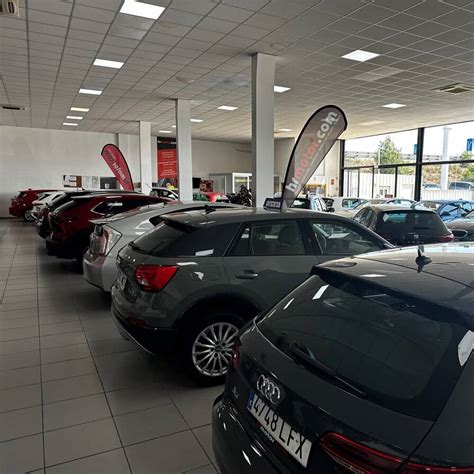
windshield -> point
(400, 350)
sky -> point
(433, 144)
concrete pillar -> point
(183, 149)
(445, 157)
(263, 80)
(145, 157)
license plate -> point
(121, 282)
(288, 438)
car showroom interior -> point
(236, 236)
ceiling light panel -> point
(107, 63)
(90, 91)
(227, 107)
(281, 89)
(145, 10)
(70, 124)
(197, 120)
(74, 117)
(360, 55)
(393, 105)
(79, 109)
(165, 131)
(285, 130)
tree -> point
(465, 155)
(389, 154)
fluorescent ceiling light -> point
(145, 10)
(107, 63)
(285, 130)
(165, 131)
(79, 109)
(360, 55)
(90, 91)
(281, 89)
(173, 126)
(70, 124)
(74, 117)
(227, 107)
(372, 122)
(197, 120)
(393, 105)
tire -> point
(208, 365)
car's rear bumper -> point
(16, 211)
(150, 339)
(101, 272)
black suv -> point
(198, 276)
(367, 367)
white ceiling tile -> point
(226, 12)
(180, 17)
(246, 31)
(113, 5)
(168, 28)
(48, 18)
(96, 14)
(283, 8)
(221, 26)
(131, 21)
(201, 7)
(88, 25)
(269, 22)
(51, 6)
(125, 32)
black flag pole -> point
(315, 140)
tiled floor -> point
(74, 396)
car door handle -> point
(246, 275)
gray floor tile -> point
(204, 436)
(20, 298)
(20, 397)
(19, 423)
(17, 323)
(67, 339)
(110, 346)
(111, 462)
(60, 328)
(137, 398)
(21, 359)
(19, 377)
(209, 469)
(20, 333)
(73, 387)
(58, 318)
(21, 455)
(21, 292)
(75, 411)
(147, 424)
(18, 305)
(128, 377)
(20, 345)
(70, 368)
(120, 360)
(19, 314)
(64, 353)
(173, 454)
(78, 441)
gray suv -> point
(191, 283)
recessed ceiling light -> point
(197, 120)
(107, 63)
(360, 55)
(74, 117)
(173, 126)
(90, 91)
(70, 124)
(285, 130)
(145, 10)
(281, 89)
(79, 109)
(393, 105)
(227, 107)
(372, 122)
(165, 131)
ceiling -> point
(200, 49)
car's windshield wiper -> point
(134, 246)
(307, 357)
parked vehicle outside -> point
(464, 224)
(462, 185)
(111, 234)
(366, 367)
(404, 226)
(70, 223)
(449, 210)
(22, 203)
(188, 285)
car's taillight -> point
(154, 277)
(358, 458)
(236, 354)
(414, 468)
(447, 238)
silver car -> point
(113, 233)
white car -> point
(343, 203)
(43, 201)
(112, 234)
(350, 213)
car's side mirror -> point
(459, 233)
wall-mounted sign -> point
(166, 158)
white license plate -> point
(288, 438)
(121, 281)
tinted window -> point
(167, 240)
(273, 238)
(338, 238)
(401, 351)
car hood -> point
(461, 224)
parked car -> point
(189, 284)
(111, 234)
(429, 186)
(464, 224)
(462, 185)
(165, 192)
(70, 223)
(42, 202)
(375, 202)
(210, 197)
(22, 203)
(313, 203)
(449, 210)
(404, 226)
(364, 368)
(343, 203)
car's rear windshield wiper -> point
(307, 357)
(134, 246)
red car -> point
(22, 204)
(215, 197)
(70, 226)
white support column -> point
(145, 157)
(263, 80)
(183, 149)
(444, 175)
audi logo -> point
(269, 389)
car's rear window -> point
(401, 351)
(402, 222)
(170, 240)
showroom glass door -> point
(359, 182)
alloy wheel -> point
(212, 348)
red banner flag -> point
(118, 164)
